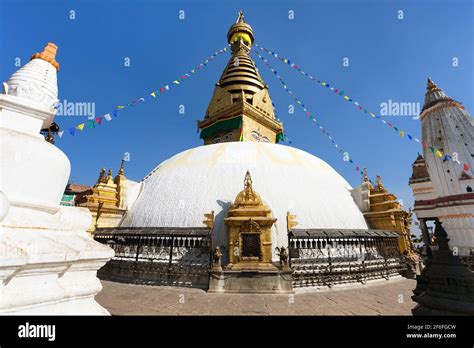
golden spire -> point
(240, 30)
(430, 86)
(240, 19)
(109, 175)
(240, 97)
(121, 170)
(365, 177)
(48, 54)
(102, 177)
(379, 182)
(248, 186)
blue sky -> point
(388, 59)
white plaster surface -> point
(48, 263)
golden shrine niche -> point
(249, 224)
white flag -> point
(60, 134)
(107, 117)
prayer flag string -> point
(437, 152)
(345, 154)
(149, 96)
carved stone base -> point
(251, 281)
(414, 267)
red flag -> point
(98, 119)
(467, 166)
(424, 144)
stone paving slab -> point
(391, 297)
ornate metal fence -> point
(164, 256)
(325, 257)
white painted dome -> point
(192, 183)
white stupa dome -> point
(192, 183)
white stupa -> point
(207, 178)
(48, 263)
(240, 132)
(444, 187)
(250, 231)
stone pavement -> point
(391, 297)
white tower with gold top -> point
(442, 179)
(48, 263)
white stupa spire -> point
(444, 188)
(31, 92)
(48, 263)
(36, 81)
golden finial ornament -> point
(290, 221)
(431, 86)
(365, 177)
(102, 177)
(109, 175)
(240, 19)
(379, 182)
(48, 55)
(248, 190)
(240, 30)
(121, 170)
(209, 220)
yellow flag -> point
(402, 133)
(346, 97)
(372, 114)
(176, 82)
(153, 94)
(439, 153)
(120, 107)
(80, 126)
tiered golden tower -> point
(106, 199)
(386, 213)
(241, 108)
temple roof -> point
(73, 188)
(419, 170)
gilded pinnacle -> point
(48, 55)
